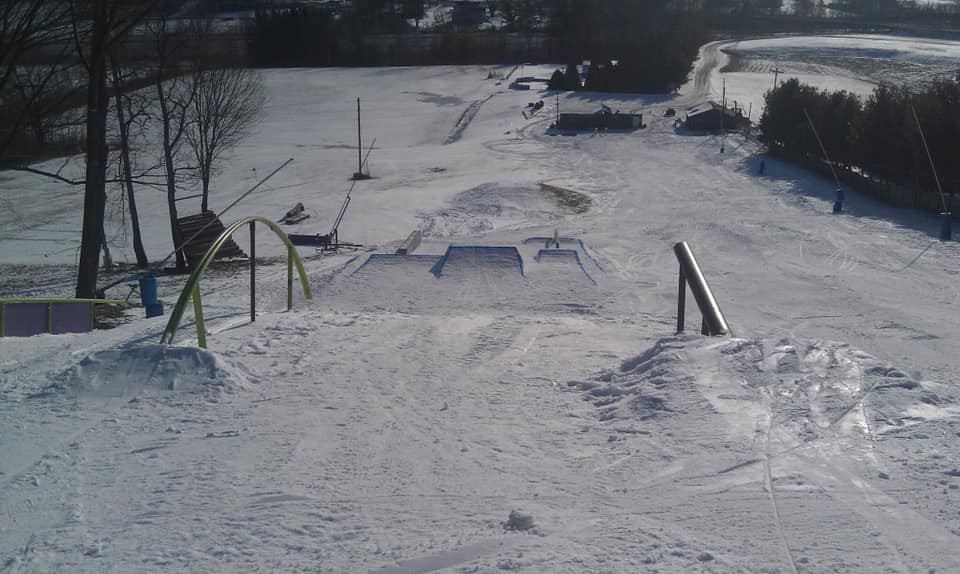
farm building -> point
(603, 119)
(707, 117)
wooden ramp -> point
(198, 246)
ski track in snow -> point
(393, 423)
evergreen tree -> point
(556, 81)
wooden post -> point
(253, 272)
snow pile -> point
(809, 389)
(131, 371)
(487, 207)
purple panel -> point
(71, 317)
(24, 319)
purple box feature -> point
(24, 319)
(71, 318)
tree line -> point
(69, 63)
(877, 136)
(633, 45)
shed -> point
(707, 117)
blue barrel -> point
(946, 224)
(155, 309)
(148, 289)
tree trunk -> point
(141, 254)
(170, 169)
(94, 197)
(205, 179)
(107, 258)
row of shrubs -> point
(877, 136)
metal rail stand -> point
(713, 322)
(191, 290)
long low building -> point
(600, 120)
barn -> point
(706, 117)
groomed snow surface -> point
(463, 410)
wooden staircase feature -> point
(198, 246)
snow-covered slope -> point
(394, 423)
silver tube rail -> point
(713, 322)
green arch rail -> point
(192, 289)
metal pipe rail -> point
(713, 322)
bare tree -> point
(227, 105)
(109, 21)
(176, 92)
(131, 110)
(34, 50)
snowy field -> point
(855, 63)
(395, 422)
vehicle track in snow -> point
(768, 485)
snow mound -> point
(487, 207)
(126, 372)
(810, 389)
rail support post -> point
(290, 257)
(253, 272)
(713, 322)
(681, 301)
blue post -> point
(946, 224)
(148, 295)
(838, 202)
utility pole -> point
(776, 72)
(359, 145)
(723, 112)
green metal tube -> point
(198, 315)
(176, 315)
(289, 279)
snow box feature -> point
(565, 243)
(464, 260)
(390, 260)
(562, 259)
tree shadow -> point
(804, 184)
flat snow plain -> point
(394, 422)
